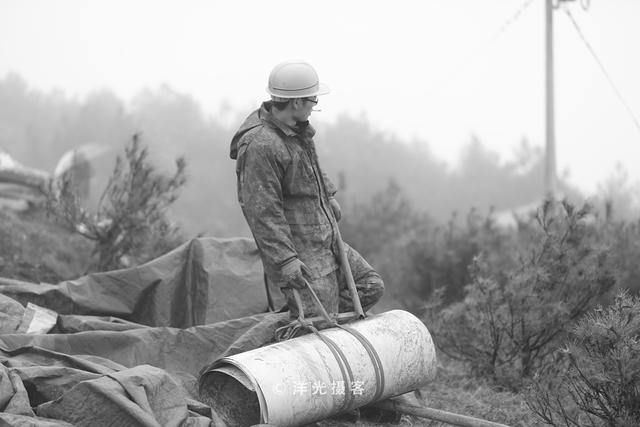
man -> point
(289, 202)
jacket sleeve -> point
(260, 194)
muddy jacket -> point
(284, 195)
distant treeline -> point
(37, 127)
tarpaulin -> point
(11, 312)
(59, 369)
(128, 345)
(203, 281)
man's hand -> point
(295, 274)
(335, 206)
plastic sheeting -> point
(204, 281)
(128, 345)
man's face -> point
(303, 108)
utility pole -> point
(550, 176)
(550, 148)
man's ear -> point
(296, 103)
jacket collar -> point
(263, 116)
(302, 129)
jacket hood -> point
(262, 116)
(249, 123)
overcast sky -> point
(438, 71)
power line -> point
(511, 20)
(476, 53)
(604, 70)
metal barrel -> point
(312, 377)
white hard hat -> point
(295, 79)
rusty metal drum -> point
(312, 377)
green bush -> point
(509, 320)
(596, 379)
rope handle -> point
(290, 330)
(323, 311)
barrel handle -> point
(317, 301)
(289, 330)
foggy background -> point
(433, 130)
(444, 100)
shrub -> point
(597, 378)
(624, 239)
(414, 255)
(130, 224)
(382, 230)
(388, 217)
(508, 322)
(441, 258)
